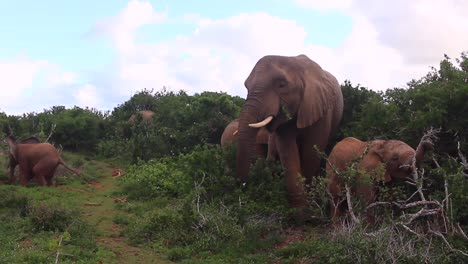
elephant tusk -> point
(235, 132)
(262, 123)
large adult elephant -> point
(265, 145)
(382, 160)
(38, 160)
(302, 104)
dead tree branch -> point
(350, 205)
(52, 130)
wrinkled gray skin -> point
(306, 105)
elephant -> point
(265, 146)
(385, 160)
(35, 160)
(302, 104)
(13, 162)
(146, 115)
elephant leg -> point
(12, 175)
(289, 156)
(367, 193)
(316, 135)
(44, 171)
(25, 174)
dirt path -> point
(98, 209)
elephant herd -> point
(293, 107)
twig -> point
(422, 212)
(350, 206)
(93, 204)
(447, 243)
(52, 130)
(461, 231)
(409, 229)
(60, 243)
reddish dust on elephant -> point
(35, 160)
(382, 160)
(144, 115)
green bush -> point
(48, 216)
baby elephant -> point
(392, 159)
(35, 160)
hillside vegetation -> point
(183, 203)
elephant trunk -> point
(246, 142)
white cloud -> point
(122, 27)
(16, 76)
(87, 95)
(325, 5)
(217, 56)
(386, 48)
(421, 30)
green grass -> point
(189, 209)
(33, 221)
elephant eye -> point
(395, 157)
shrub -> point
(48, 216)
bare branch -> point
(409, 229)
(428, 138)
(52, 130)
(461, 231)
(447, 243)
(350, 205)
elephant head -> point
(399, 158)
(285, 90)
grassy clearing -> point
(35, 219)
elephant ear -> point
(377, 149)
(320, 91)
(13, 148)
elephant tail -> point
(77, 172)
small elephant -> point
(381, 159)
(35, 160)
(265, 146)
(146, 115)
(13, 162)
(302, 104)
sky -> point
(98, 54)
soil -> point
(99, 210)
